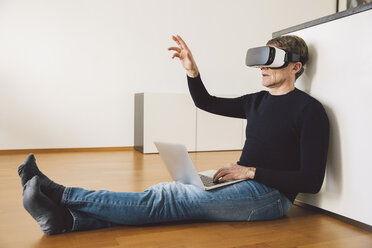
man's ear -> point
(297, 67)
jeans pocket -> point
(272, 210)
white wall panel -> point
(339, 76)
(69, 69)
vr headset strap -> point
(292, 57)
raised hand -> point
(184, 54)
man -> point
(285, 153)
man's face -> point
(273, 78)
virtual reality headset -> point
(271, 57)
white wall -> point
(69, 69)
(339, 76)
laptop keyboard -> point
(207, 181)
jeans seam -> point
(288, 205)
(106, 203)
(274, 191)
(65, 194)
(277, 202)
(64, 200)
(75, 223)
(280, 207)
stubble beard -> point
(272, 84)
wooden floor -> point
(132, 171)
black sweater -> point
(286, 136)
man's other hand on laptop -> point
(233, 171)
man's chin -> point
(269, 85)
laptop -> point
(182, 169)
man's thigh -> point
(244, 201)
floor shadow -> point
(333, 180)
(333, 185)
(305, 81)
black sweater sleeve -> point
(314, 139)
(231, 107)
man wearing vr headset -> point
(287, 131)
(285, 153)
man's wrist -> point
(193, 73)
(251, 172)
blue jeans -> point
(166, 202)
